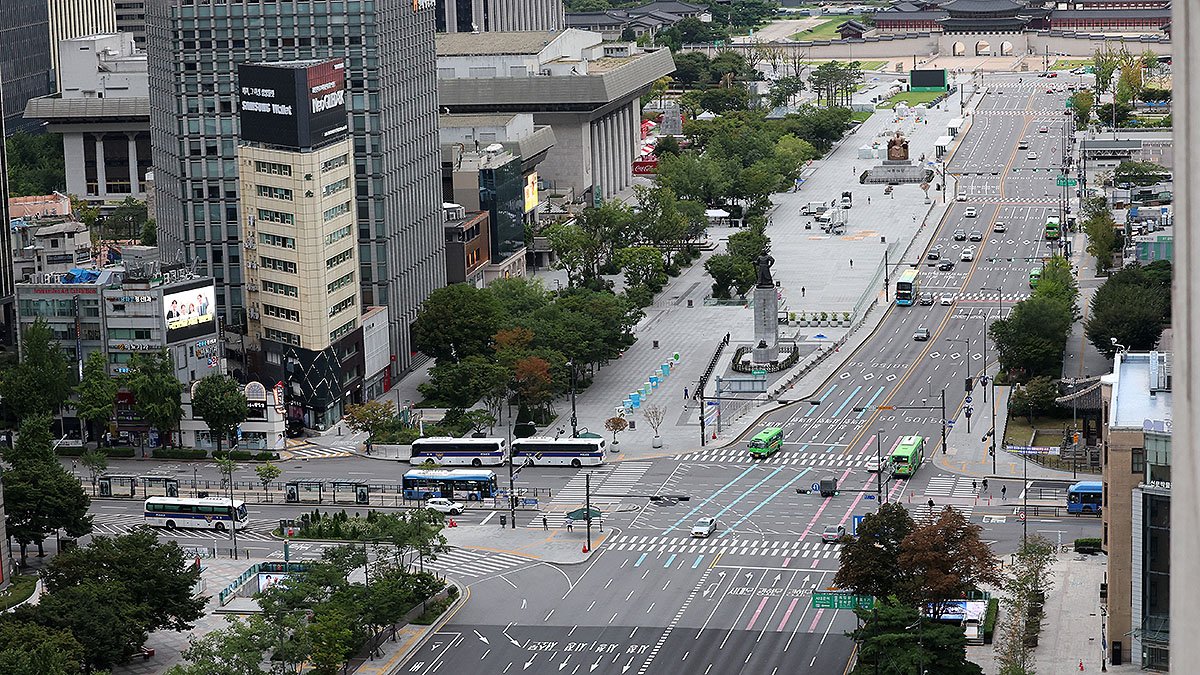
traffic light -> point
(970, 382)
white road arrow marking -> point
(721, 574)
(529, 662)
(777, 578)
(564, 663)
(481, 638)
(627, 666)
(595, 665)
(749, 575)
(807, 577)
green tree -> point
(267, 474)
(219, 401)
(127, 221)
(28, 647)
(870, 561)
(100, 616)
(1131, 313)
(95, 461)
(157, 393)
(1107, 115)
(658, 219)
(748, 244)
(455, 322)
(693, 177)
(945, 559)
(96, 394)
(691, 68)
(784, 90)
(1026, 583)
(1034, 399)
(461, 384)
(1140, 173)
(1105, 62)
(667, 145)
(1082, 103)
(721, 100)
(1031, 339)
(893, 635)
(41, 382)
(370, 417)
(85, 212)
(149, 236)
(240, 648)
(36, 165)
(1103, 240)
(729, 272)
(643, 266)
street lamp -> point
(1074, 432)
(992, 382)
(574, 418)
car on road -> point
(962, 197)
(1031, 156)
(968, 254)
(876, 464)
(999, 226)
(926, 299)
(960, 235)
(1023, 145)
(946, 265)
(443, 505)
(1043, 130)
(946, 300)
(704, 527)
(921, 334)
(976, 235)
(1050, 90)
(833, 533)
(935, 253)
(971, 212)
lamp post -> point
(1074, 431)
(574, 418)
(967, 363)
(879, 469)
(992, 382)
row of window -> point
(281, 289)
(339, 210)
(276, 240)
(342, 330)
(277, 264)
(334, 162)
(273, 168)
(272, 192)
(277, 216)
(337, 235)
(341, 282)
(336, 187)
(341, 306)
(281, 313)
(128, 333)
(338, 259)
(281, 336)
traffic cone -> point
(585, 548)
(1080, 665)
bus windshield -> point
(906, 458)
(1052, 228)
(906, 288)
(766, 442)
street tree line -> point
(1132, 307)
(1032, 338)
(1129, 78)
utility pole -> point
(574, 418)
(944, 420)
(879, 468)
(703, 408)
(512, 492)
(587, 508)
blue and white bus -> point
(907, 289)
(446, 451)
(574, 452)
(468, 484)
(1085, 497)
(210, 513)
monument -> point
(766, 313)
(897, 168)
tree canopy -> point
(42, 381)
(1132, 306)
(1032, 338)
(219, 401)
(157, 393)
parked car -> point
(921, 334)
(971, 212)
(833, 533)
(704, 527)
(926, 299)
(946, 265)
(443, 505)
(935, 253)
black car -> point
(976, 235)
(926, 299)
(946, 265)
(935, 253)
(960, 235)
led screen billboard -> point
(189, 312)
(299, 104)
(927, 80)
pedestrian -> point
(985, 485)
(1004, 492)
(868, 199)
(852, 263)
(685, 393)
(974, 485)
(545, 523)
(803, 291)
(931, 504)
(570, 524)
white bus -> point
(210, 513)
(447, 451)
(575, 452)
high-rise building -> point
(24, 59)
(388, 49)
(77, 18)
(7, 288)
(486, 16)
(131, 20)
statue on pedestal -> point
(897, 148)
(763, 265)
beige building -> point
(1137, 410)
(76, 18)
(298, 229)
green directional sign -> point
(834, 600)
(1063, 181)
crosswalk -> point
(454, 562)
(946, 485)
(1023, 201)
(789, 456)
(317, 452)
(1021, 112)
(609, 484)
(812, 549)
(115, 524)
(1008, 298)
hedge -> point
(989, 620)
(246, 455)
(1087, 545)
(179, 453)
(108, 452)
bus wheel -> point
(170, 525)
(576, 463)
(476, 462)
(219, 527)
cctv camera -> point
(1114, 340)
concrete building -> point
(586, 90)
(103, 112)
(131, 20)
(76, 18)
(265, 427)
(24, 60)
(1137, 415)
(487, 16)
(40, 206)
(49, 246)
(392, 101)
(468, 251)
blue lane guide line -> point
(711, 497)
(813, 409)
(763, 503)
(639, 560)
(696, 564)
(870, 404)
(669, 561)
(838, 413)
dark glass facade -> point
(24, 59)
(502, 195)
(1156, 580)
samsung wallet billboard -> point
(298, 104)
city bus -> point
(543, 451)
(448, 451)
(1035, 276)
(906, 288)
(907, 456)
(1085, 497)
(210, 513)
(1053, 229)
(766, 442)
(469, 484)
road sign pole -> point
(943, 420)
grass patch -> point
(1019, 431)
(432, 611)
(860, 116)
(912, 98)
(826, 30)
(19, 591)
(1069, 64)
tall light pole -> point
(879, 469)
(574, 418)
(967, 363)
(992, 383)
(1074, 430)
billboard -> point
(294, 105)
(927, 80)
(189, 312)
(531, 192)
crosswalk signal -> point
(969, 383)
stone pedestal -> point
(766, 325)
(897, 171)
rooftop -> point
(1140, 390)
(495, 44)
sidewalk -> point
(555, 545)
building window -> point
(1137, 457)
(272, 192)
(338, 259)
(343, 330)
(341, 282)
(276, 240)
(281, 313)
(281, 336)
(281, 289)
(334, 162)
(341, 306)
(277, 216)
(273, 168)
(340, 209)
(337, 235)
(336, 187)
(278, 265)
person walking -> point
(985, 485)
(570, 523)
(803, 291)
(685, 393)
(852, 263)
(545, 523)
(931, 505)
(974, 485)
(1004, 492)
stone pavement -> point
(555, 545)
(1071, 630)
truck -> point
(847, 199)
(813, 208)
(974, 631)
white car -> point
(876, 464)
(1031, 156)
(970, 212)
(704, 527)
(962, 197)
(947, 299)
(833, 533)
(999, 226)
(968, 254)
(443, 505)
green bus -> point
(766, 442)
(1052, 230)
(906, 458)
(1035, 276)
(907, 289)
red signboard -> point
(645, 167)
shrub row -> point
(109, 452)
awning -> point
(582, 514)
(716, 213)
